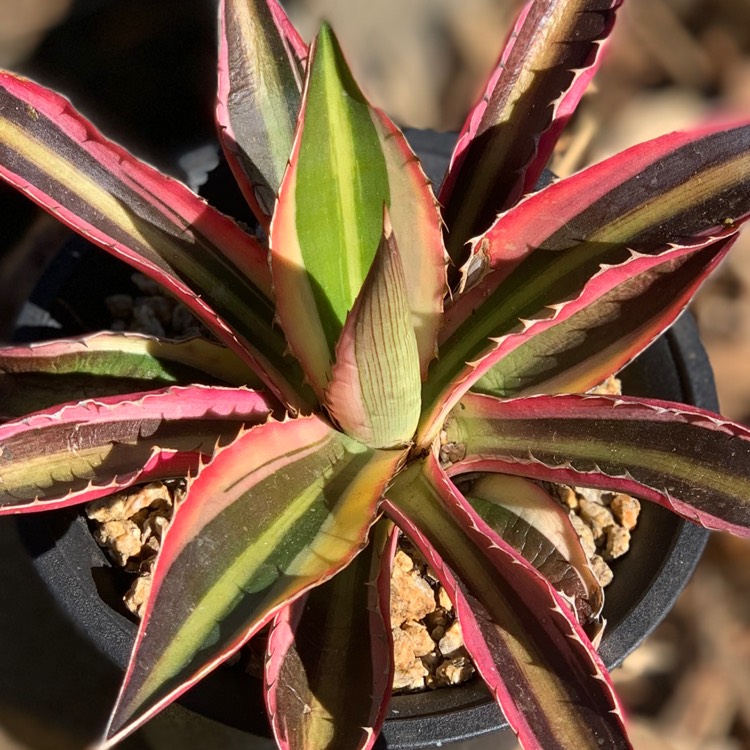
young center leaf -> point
(374, 394)
(691, 461)
(348, 162)
(281, 509)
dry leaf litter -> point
(428, 645)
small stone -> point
(444, 600)
(432, 660)
(567, 497)
(452, 641)
(124, 505)
(409, 671)
(597, 518)
(601, 570)
(121, 538)
(450, 452)
(437, 632)
(618, 542)
(137, 595)
(585, 535)
(412, 598)
(455, 671)
(157, 524)
(610, 387)
(419, 639)
(402, 561)
(591, 495)
(436, 619)
(626, 510)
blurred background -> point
(144, 71)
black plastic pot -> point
(647, 581)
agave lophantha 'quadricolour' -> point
(360, 378)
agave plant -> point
(360, 370)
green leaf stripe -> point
(329, 218)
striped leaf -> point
(548, 61)
(258, 98)
(523, 638)
(78, 452)
(38, 376)
(680, 189)
(329, 664)
(158, 226)
(278, 511)
(535, 524)
(617, 315)
(375, 389)
(691, 461)
(294, 45)
(348, 162)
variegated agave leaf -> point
(522, 636)
(38, 376)
(535, 524)
(548, 61)
(691, 461)
(260, 81)
(329, 667)
(561, 243)
(78, 452)
(304, 497)
(354, 161)
(154, 223)
(341, 320)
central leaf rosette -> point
(359, 273)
